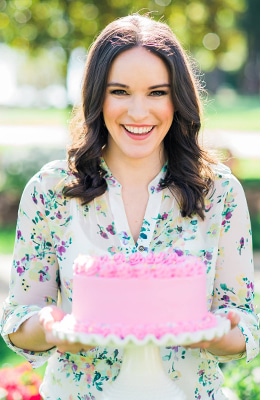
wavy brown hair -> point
(188, 175)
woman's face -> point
(138, 109)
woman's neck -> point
(134, 171)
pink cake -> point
(155, 294)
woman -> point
(136, 179)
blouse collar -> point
(154, 186)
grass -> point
(231, 112)
(225, 111)
(31, 116)
(247, 168)
(7, 236)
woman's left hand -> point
(219, 345)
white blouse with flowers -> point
(52, 230)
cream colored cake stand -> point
(142, 375)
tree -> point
(218, 33)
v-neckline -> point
(119, 214)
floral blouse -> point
(52, 230)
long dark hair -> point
(188, 175)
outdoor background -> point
(43, 45)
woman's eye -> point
(159, 93)
(118, 92)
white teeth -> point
(138, 131)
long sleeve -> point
(34, 275)
(234, 276)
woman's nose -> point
(137, 108)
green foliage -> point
(7, 237)
(70, 24)
(9, 358)
(29, 116)
(252, 192)
(225, 42)
(243, 378)
(19, 164)
(230, 111)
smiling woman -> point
(136, 181)
(138, 108)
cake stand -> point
(142, 375)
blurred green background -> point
(43, 45)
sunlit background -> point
(43, 46)
(43, 43)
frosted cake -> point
(157, 294)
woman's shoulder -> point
(53, 174)
(55, 167)
(224, 177)
(221, 171)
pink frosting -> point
(153, 265)
(140, 331)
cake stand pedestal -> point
(142, 377)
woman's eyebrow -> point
(126, 86)
(117, 84)
(160, 86)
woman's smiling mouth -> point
(138, 130)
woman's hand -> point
(47, 317)
(232, 342)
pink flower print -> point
(228, 215)
(250, 285)
(125, 237)
(201, 372)
(61, 249)
(19, 234)
(34, 198)
(42, 199)
(241, 245)
(208, 255)
(44, 275)
(110, 229)
(225, 297)
(250, 291)
(58, 215)
(102, 233)
(20, 270)
(179, 252)
(164, 216)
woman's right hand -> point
(47, 317)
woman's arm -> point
(233, 290)
(34, 281)
(35, 334)
(31, 336)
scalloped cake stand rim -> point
(66, 332)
